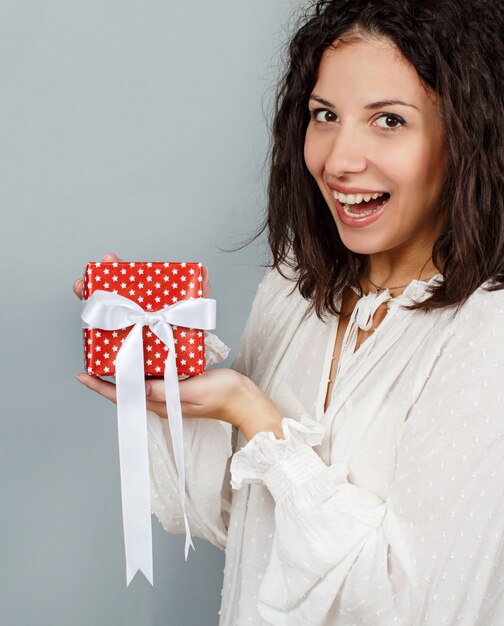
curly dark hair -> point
(456, 47)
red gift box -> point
(152, 286)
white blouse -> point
(388, 508)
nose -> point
(346, 154)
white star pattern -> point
(173, 282)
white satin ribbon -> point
(110, 311)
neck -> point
(384, 272)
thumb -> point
(155, 390)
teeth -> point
(347, 211)
(356, 199)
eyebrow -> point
(373, 105)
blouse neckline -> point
(415, 290)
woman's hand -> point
(219, 393)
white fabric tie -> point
(361, 317)
(110, 311)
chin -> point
(361, 243)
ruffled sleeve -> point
(285, 464)
(321, 521)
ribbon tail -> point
(176, 427)
(134, 456)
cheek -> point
(313, 155)
(413, 171)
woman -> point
(367, 391)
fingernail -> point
(79, 378)
(148, 388)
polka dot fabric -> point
(153, 286)
(385, 509)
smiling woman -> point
(392, 146)
(362, 426)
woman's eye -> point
(390, 121)
(323, 115)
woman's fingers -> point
(155, 390)
(111, 258)
(78, 286)
(207, 288)
(108, 390)
(103, 387)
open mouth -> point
(358, 205)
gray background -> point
(136, 127)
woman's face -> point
(361, 141)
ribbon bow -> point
(361, 317)
(367, 306)
(110, 311)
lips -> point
(362, 214)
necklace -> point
(378, 288)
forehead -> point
(369, 68)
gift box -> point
(153, 286)
(145, 319)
